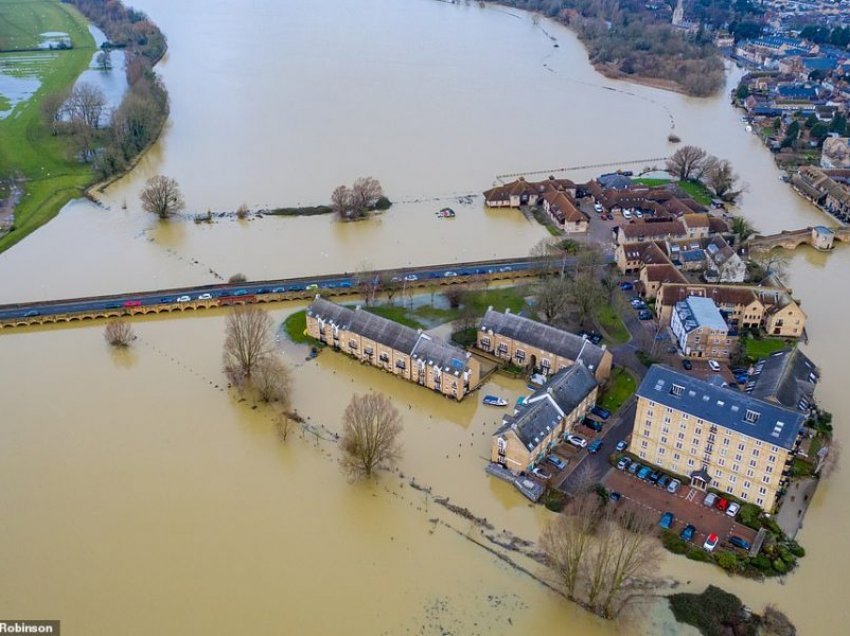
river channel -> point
(140, 496)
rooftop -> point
(724, 407)
(695, 312)
(787, 378)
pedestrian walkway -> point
(794, 506)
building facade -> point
(717, 437)
(700, 329)
(543, 420)
(531, 344)
(408, 353)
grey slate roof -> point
(725, 407)
(546, 408)
(387, 332)
(787, 378)
(696, 312)
(536, 334)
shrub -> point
(237, 278)
(749, 515)
(761, 563)
(554, 500)
(383, 203)
(728, 561)
(796, 549)
(785, 555)
(779, 566)
(673, 542)
(695, 554)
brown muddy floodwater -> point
(140, 496)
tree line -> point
(109, 141)
(690, 163)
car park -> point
(183, 299)
(733, 509)
(687, 365)
(557, 462)
(594, 446)
(738, 542)
(634, 467)
(714, 365)
(688, 533)
(666, 520)
(541, 473)
(614, 496)
(623, 463)
(622, 445)
(577, 441)
(673, 486)
(644, 472)
(721, 504)
(664, 481)
(644, 314)
(598, 411)
(709, 500)
(711, 542)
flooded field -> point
(141, 493)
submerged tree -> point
(687, 163)
(119, 333)
(248, 341)
(161, 196)
(371, 426)
(272, 379)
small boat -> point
(446, 213)
(494, 400)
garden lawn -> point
(500, 298)
(396, 313)
(611, 324)
(697, 191)
(295, 327)
(756, 349)
(620, 388)
(28, 148)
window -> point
(753, 463)
(485, 342)
(771, 459)
(740, 447)
(676, 456)
(766, 479)
(736, 468)
(678, 445)
(667, 419)
(738, 457)
(698, 431)
(661, 451)
(680, 436)
(755, 452)
(723, 452)
(746, 485)
(663, 440)
(649, 413)
(732, 479)
(665, 429)
(749, 472)
(695, 440)
(546, 365)
(685, 416)
(726, 441)
(758, 442)
(644, 443)
(503, 445)
(651, 404)
(646, 432)
(352, 344)
(400, 364)
(384, 357)
(760, 501)
(676, 389)
(751, 416)
(520, 355)
(768, 470)
(721, 462)
(368, 351)
(503, 349)
(690, 463)
(694, 450)
(643, 454)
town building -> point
(723, 263)
(700, 329)
(564, 212)
(652, 277)
(828, 189)
(655, 230)
(715, 436)
(408, 353)
(544, 418)
(531, 344)
(520, 192)
(744, 306)
(788, 378)
(835, 154)
(631, 257)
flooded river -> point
(140, 495)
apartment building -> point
(408, 353)
(541, 422)
(716, 436)
(700, 329)
(531, 344)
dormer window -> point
(677, 389)
(751, 416)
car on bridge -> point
(31, 313)
(205, 297)
(132, 303)
(449, 274)
(240, 292)
(278, 290)
(184, 299)
(411, 278)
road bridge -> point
(183, 299)
(819, 237)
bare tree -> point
(272, 379)
(368, 281)
(775, 623)
(552, 299)
(390, 285)
(104, 61)
(248, 340)
(456, 295)
(284, 424)
(371, 426)
(161, 196)
(86, 104)
(567, 538)
(687, 163)
(54, 109)
(721, 179)
(774, 263)
(242, 211)
(342, 202)
(238, 277)
(119, 333)
(365, 194)
(587, 294)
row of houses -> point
(556, 196)
(828, 189)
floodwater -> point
(139, 493)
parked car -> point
(278, 290)
(597, 207)
(614, 496)
(411, 277)
(449, 274)
(688, 533)
(313, 286)
(714, 365)
(623, 463)
(733, 509)
(686, 365)
(644, 314)
(664, 481)
(575, 440)
(634, 467)
(243, 292)
(721, 504)
(541, 473)
(557, 462)
(666, 521)
(673, 486)
(132, 303)
(627, 214)
(738, 542)
(638, 214)
(205, 297)
(183, 299)
(598, 411)
(594, 446)
(637, 302)
(709, 500)
(653, 477)
(644, 472)
(592, 424)
(31, 313)
(622, 445)
(711, 542)
(167, 299)
(626, 285)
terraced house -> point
(718, 437)
(408, 353)
(541, 422)
(531, 344)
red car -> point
(133, 303)
(721, 504)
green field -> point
(620, 388)
(696, 191)
(28, 148)
(611, 324)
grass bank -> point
(697, 191)
(620, 388)
(611, 324)
(295, 327)
(52, 177)
(762, 347)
